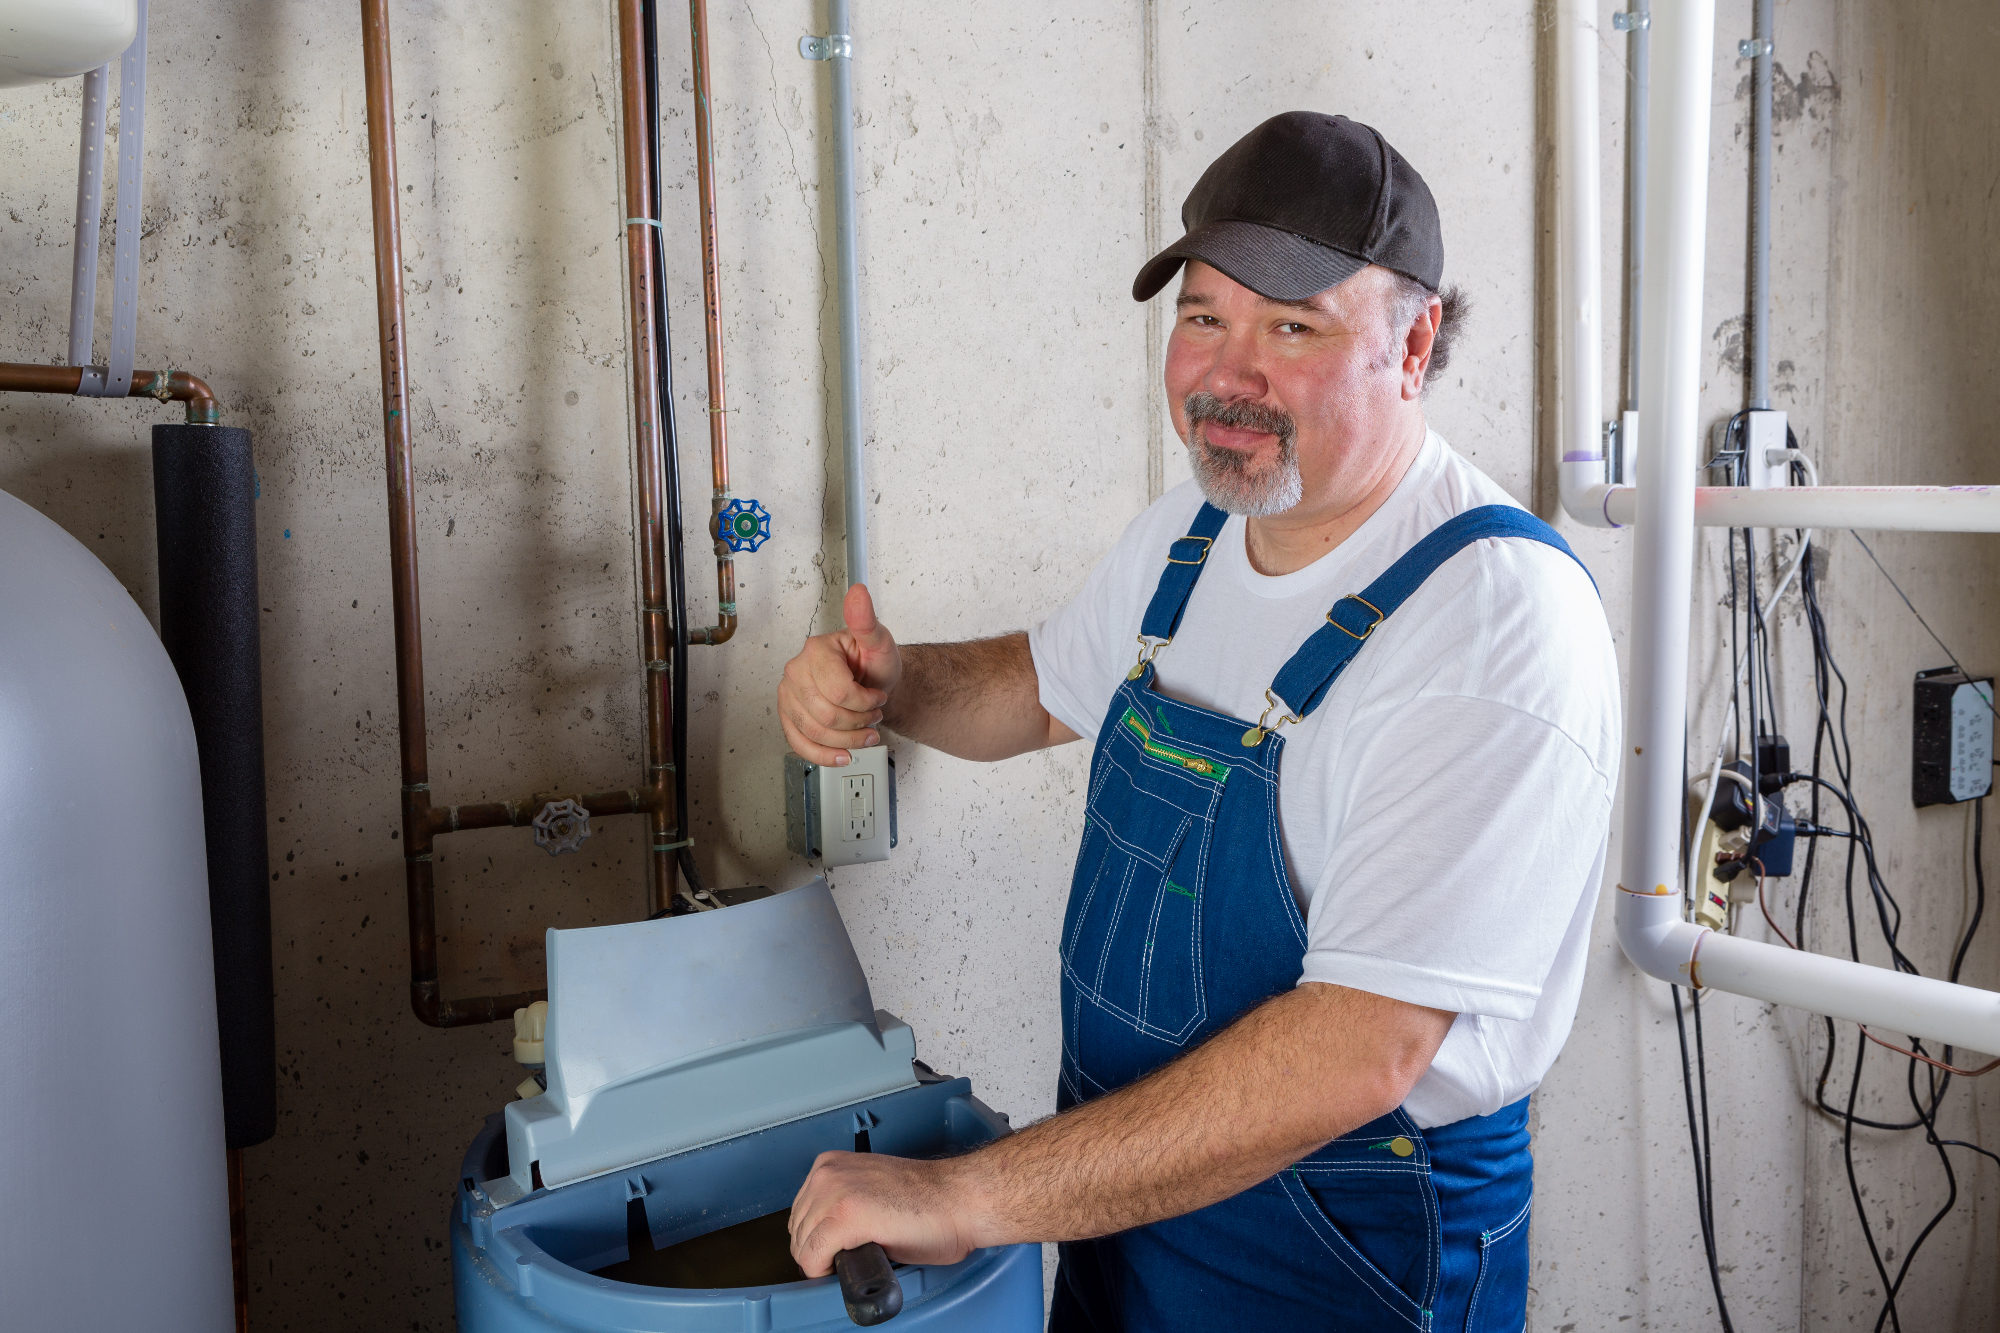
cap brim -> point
(1272, 263)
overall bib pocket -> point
(1131, 935)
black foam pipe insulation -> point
(204, 495)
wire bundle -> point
(1754, 700)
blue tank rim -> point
(507, 1247)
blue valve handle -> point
(743, 525)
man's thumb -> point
(859, 609)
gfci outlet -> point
(842, 816)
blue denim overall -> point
(1181, 918)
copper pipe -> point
(711, 292)
(422, 821)
(401, 469)
(425, 999)
(172, 386)
(239, 1239)
(656, 635)
(519, 814)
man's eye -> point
(1293, 326)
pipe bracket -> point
(834, 46)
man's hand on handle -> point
(905, 1206)
(833, 693)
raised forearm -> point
(976, 700)
(1290, 1076)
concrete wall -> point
(1016, 165)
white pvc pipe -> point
(1588, 495)
(1669, 389)
(1887, 508)
(1650, 926)
(1896, 1002)
(1580, 464)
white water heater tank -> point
(59, 39)
(114, 1211)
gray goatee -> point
(1229, 480)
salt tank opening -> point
(757, 1253)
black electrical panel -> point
(1952, 737)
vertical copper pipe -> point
(711, 291)
(410, 722)
(425, 998)
(635, 125)
(239, 1239)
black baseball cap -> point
(1303, 203)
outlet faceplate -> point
(842, 816)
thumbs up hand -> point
(832, 694)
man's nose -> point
(1235, 375)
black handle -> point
(868, 1284)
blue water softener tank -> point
(695, 1067)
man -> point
(1355, 717)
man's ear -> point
(1417, 348)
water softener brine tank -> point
(695, 1067)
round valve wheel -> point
(561, 827)
(743, 525)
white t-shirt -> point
(1445, 811)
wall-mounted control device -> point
(842, 816)
(1952, 758)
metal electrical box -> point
(842, 816)
(1952, 751)
(1765, 439)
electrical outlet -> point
(1711, 892)
(857, 807)
(842, 816)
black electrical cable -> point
(1929, 1118)
(670, 470)
(1848, 1120)
(1707, 1139)
(1750, 706)
(1831, 741)
(1854, 1184)
(1978, 885)
(1703, 1210)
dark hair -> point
(1407, 297)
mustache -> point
(1202, 406)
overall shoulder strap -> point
(1304, 680)
(1185, 559)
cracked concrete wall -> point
(1012, 164)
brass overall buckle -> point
(1255, 736)
(1148, 650)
